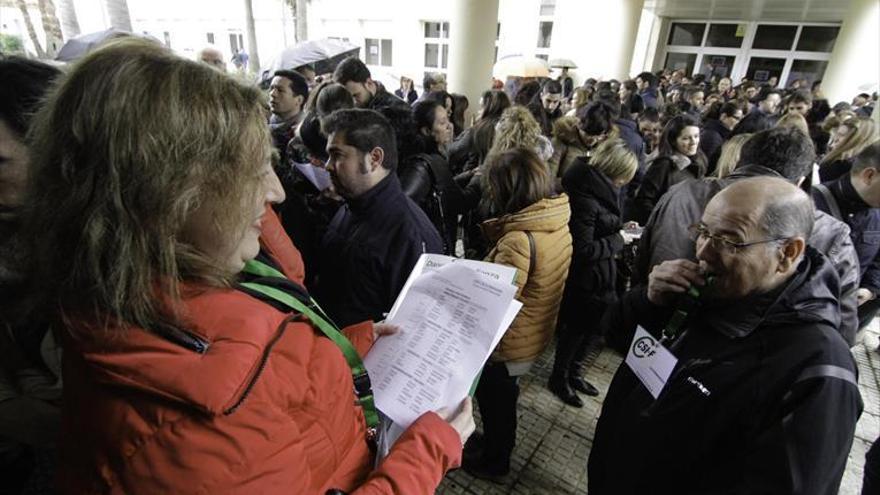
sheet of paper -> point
(650, 361)
(451, 319)
(319, 177)
(433, 262)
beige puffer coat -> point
(541, 291)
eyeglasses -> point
(721, 243)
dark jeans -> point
(868, 311)
(496, 395)
(577, 329)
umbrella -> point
(520, 66)
(80, 45)
(323, 55)
(563, 63)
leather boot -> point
(577, 382)
(558, 384)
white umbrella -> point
(323, 55)
(520, 66)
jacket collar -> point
(809, 296)
(546, 215)
(384, 191)
(847, 197)
(680, 161)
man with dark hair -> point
(716, 131)
(862, 105)
(763, 116)
(759, 392)
(779, 152)
(375, 239)
(367, 93)
(694, 97)
(800, 101)
(546, 107)
(854, 199)
(647, 84)
(288, 93)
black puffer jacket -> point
(595, 230)
(763, 398)
(662, 174)
(426, 179)
(666, 237)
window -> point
(717, 65)
(542, 56)
(548, 7)
(210, 37)
(377, 52)
(774, 37)
(436, 45)
(761, 69)
(817, 38)
(545, 32)
(811, 70)
(686, 34)
(686, 61)
(236, 42)
(725, 35)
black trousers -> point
(496, 395)
(577, 328)
(871, 480)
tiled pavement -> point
(553, 440)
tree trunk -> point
(69, 22)
(51, 27)
(30, 28)
(302, 20)
(253, 55)
(117, 11)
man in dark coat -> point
(367, 93)
(376, 238)
(716, 131)
(647, 84)
(545, 107)
(855, 199)
(778, 152)
(760, 395)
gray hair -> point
(788, 215)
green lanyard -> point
(362, 385)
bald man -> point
(213, 57)
(759, 391)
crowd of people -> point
(164, 229)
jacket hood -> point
(810, 296)
(547, 215)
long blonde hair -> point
(730, 153)
(863, 132)
(615, 160)
(133, 141)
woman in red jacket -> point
(195, 362)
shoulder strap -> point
(316, 315)
(532, 253)
(829, 199)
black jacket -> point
(864, 226)
(629, 133)
(595, 225)
(545, 119)
(712, 137)
(662, 174)
(427, 180)
(835, 170)
(369, 249)
(666, 237)
(763, 398)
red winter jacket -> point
(267, 408)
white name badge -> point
(650, 361)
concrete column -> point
(472, 48)
(855, 62)
(599, 35)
